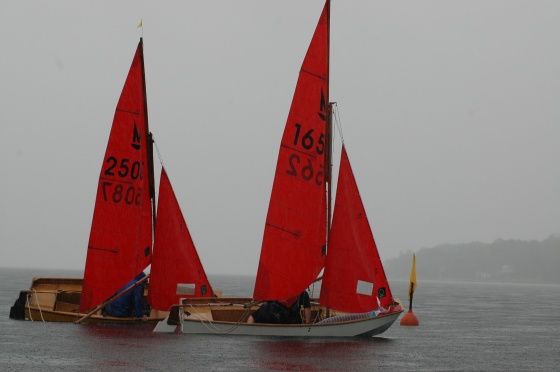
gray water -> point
(463, 327)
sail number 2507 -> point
(306, 170)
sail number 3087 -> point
(118, 193)
(306, 170)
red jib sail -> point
(293, 248)
(121, 233)
(354, 278)
(176, 266)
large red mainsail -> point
(293, 247)
(121, 233)
(175, 260)
(354, 277)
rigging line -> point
(227, 330)
(28, 305)
(337, 120)
(157, 150)
(203, 320)
(215, 329)
(38, 305)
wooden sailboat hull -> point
(36, 314)
(364, 327)
(58, 300)
(229, 316)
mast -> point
(328, 171)
(149, 142)
(328, 131)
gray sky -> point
(449, 112)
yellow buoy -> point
(409, 319)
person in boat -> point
(130, 303)
(284, 311)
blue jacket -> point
(129, 304)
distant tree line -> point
(501, 261)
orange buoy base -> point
(409, 319)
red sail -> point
(175, 261)
(121, 233)
(354, 277)
(293, 247)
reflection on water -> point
(316, 354)
(115, 332)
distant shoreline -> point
(503, 261)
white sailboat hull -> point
(362, 327)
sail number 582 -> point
(306, 171)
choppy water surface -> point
(463, 326)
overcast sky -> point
(450, 113)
